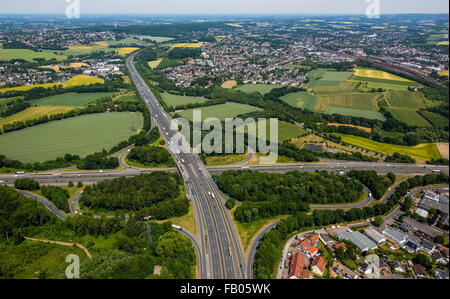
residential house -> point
(338, 245)
(420, 270)
(398, 267)
(437, 256)
(440, 274)
(305, 245)
(428, 246)
(314, 239)
(318, 265)
(365, 268)
(325, 238)
(312, 251)
(297, 266)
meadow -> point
(360, 101)
(34, 112)
(261, 88)
(369, 114)
(81, 135)
(286, 131)
(78, 80)
(72, 99)
(301, 99)
(422, 152)
(28, 55)
(405, 99)
(409, 117)
(176, 100)
(326, 77)
(222, 111)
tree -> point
(26, 184)
(70, 184)
(230, 203)
(80, 184)
(379, 221)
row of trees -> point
(264, 195)
(269, 250)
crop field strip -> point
(78, 80)
(286, 131)
(422, 152)
(222, 111)
(261, 88)
(28, 55)
(358, 101)
(409, 117)
(177, 100)
(326, 77)
(301, 99)
(81, 135)
(72, 99)
(34, 112)
(369, 114)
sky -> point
(224, 6)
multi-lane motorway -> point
(217, 236)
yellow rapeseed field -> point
(74, 81)
(126, 51)
(378, 75)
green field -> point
(222, 111)
(33, 260)
(81, 135)
(132, 40)
(301, 99)
(176, 100)
(28, 55)
(405, 99)
(286, 131)
(358, 101)
(369, 114)
(326, 77)
(33, 113)
(261, 88)
(423, 152)
(72, 99)
(434, 118)
(367, 84)
(409, 117)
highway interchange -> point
(219, 251)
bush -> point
(26, 184)
(230, 203)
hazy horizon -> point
(221, 7)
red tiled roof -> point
(319, 262)
(337, 246)
(315, 239)
(313, 250)
(305, 274)
(305, 244)
(297, 265)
